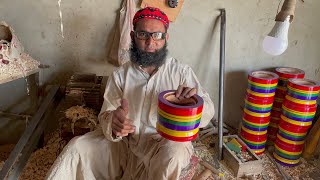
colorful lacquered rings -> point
(288, 72)
(178, 120)
(263, 77)
(304, 84)
(260, 95)
(291, 137)
(301, 102)
(295, 123)
(254, 132)
(285, 162)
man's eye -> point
(143, 34)
(157, 35)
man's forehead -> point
(150, 24)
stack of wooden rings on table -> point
(284, 73)
(298, 110)
(258, 104)
(178, 120)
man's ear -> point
(167, 36)
(132, 35)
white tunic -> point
(143, 154)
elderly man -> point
(127, 146)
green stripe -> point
(299, 116)
(293, 136)
(161, 118)
(303, 94)
(254, 126)
(258, 108)
(287, 155)
(253, 144)
(261, 87)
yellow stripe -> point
(179, 118)
(255, 142)
(303, 91)
(256, 114)
(289, 141)
(286, 160)
(258, 151)
(301, 101)
(255, 124)
(254, 132)
(287, 152)
(298, 112)
(261, 94)
(258, 105)
(292, 133)
(177, 133)
(263, 85)
(298, 123)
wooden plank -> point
(172, 13)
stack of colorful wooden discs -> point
(298, 110)
(178, 120)
(284, 73)
(258, 104)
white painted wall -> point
(194, 39)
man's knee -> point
(177, 152)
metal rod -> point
(221, 79)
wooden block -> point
(238, 167)
(172, 13)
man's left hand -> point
(185, 92)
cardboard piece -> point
(172, 13)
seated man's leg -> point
(90, 156)
(169, 159)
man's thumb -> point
(125, 105)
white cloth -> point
(143, 154)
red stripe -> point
(304, 87)
(293, 128)
(259, 100)
(258, 120)
(288, 147)
(300, 108)
(288, 76)
(180, 111)
(179, 139)
(262, 81)
(254, 138)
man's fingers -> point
(192, 92)
(185, 91)
(179, 90)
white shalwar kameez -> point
(143, 154)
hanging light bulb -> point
(276, 42)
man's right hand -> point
(121, 125)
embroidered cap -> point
(151, 13)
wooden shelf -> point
(18, 76)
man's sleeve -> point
(208, 111)
(112, 97)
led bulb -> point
(277, 40)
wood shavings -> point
(42, 159)
(87, 115)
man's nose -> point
(150, 40)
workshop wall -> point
(194, 39)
